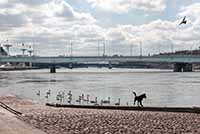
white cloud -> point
(52, 24)
(124, 6)
(156, 35)
(3, 1)
(55, 24)
(32, 2)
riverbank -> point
(71, 120)
(11, 124)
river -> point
(162, 87)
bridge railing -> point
(168, 59)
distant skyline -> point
(52, 25)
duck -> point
(38, 93)
(69, 93)
(69, 97)
(47, 96)
(82, 96)
(59, 97)
(48, 92)
(105, 101)
(87, 98)
(79, 99)
(117, 103)
(94, 101)
(127, 103)
(63, 95)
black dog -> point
(139, 99)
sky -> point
(50, 26)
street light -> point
(98, 49)
(30, 50)
(131, 50)
(104, 49)
(23, 49)
(71, 49)
(140, 49)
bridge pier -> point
(110, 65)
(53, 68)
(187, 68)
(182, 67)
(30, 64)
(70, 65)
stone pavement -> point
(10, 124)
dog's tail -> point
(134, 93)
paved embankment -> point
(93, 121)
(101, 121)
(10, 124)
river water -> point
(163, 87)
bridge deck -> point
(160, 59)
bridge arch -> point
(182, 67)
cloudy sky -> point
(52, 25)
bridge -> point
(182, 63)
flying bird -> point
(184, 21)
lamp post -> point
(104, 49)
(71, 50)
(98, 50)
(140, 49)
(23, 49)
(131, 50)
(30, 51)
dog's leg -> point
(134, 102)
(141, 104)
(138, 103)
